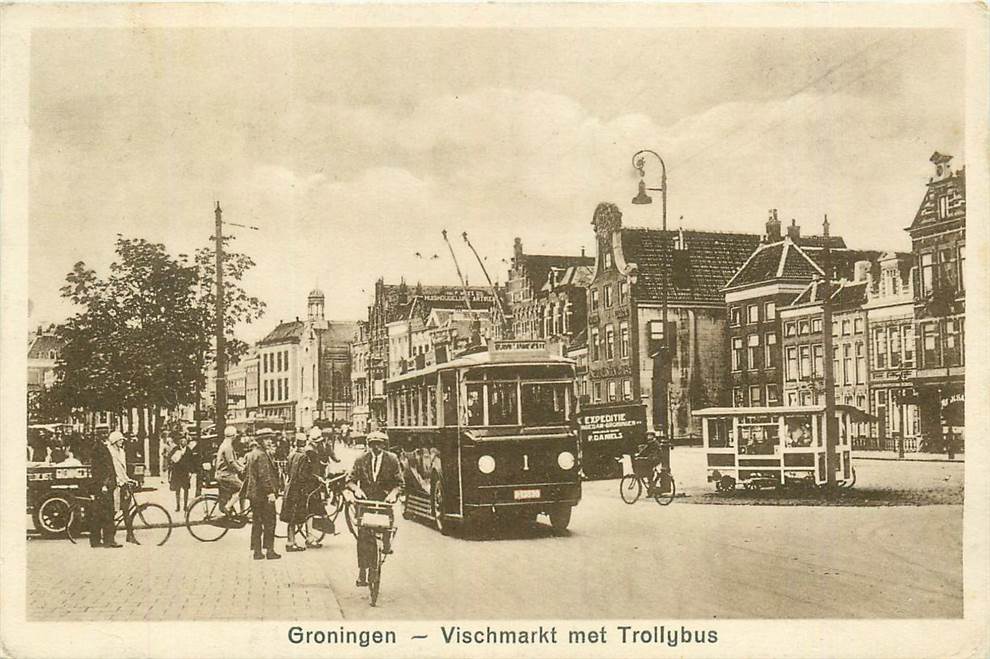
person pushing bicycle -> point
(375, 475)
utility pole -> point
(830, 423)
(221, 402)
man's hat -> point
(376, 436)
(315, 433)
(230, 431)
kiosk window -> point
(503, 405)
(720, 433)
(544, 404)
(758, 439)
(798, 431)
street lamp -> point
(661, 366)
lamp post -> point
(661, 363)
(831, 427)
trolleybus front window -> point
(503, 405)
(544, 404)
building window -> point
(860, 363)
(593, 344)
(816, 325)
(791, 365)
(609, 342)
(737, 353)
(805, 352)
(772, 396)
(792, 398)
(962, 267)
(594, 299)
(608, 258)
(894, 344)
(597, 389)
(611, 390)
(753, 350)
(755, 397)
(845, 328)
(803, 327)
(627, 389)
(752, 314)
(953, 342)
(847, 364)
(943, 207)
(927, 273)
(738, 399)
(624, 339)
(818, 365)
(790, 329)
(880, 348)
(858, 326)
(623, 291)
(735, 316)
(769, 311)
(931, 356)
(835, 328)
(771, 347)
(607, 291)
(908, 346)
(948, 271)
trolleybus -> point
(488, 433)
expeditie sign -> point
(607, 432)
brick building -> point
(547, 295)
(938, 242)
(632, 266)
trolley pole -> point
(830, 424)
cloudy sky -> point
(352, 148)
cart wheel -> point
(52, 515)
(630, 488)
(727, 483)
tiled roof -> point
(579, 276)
(538, 265)
(845, 294)
(43, 344)
(818, 242)
(290, 331)
(340, 331)
(701, 269)
(844, 260)
(780, 260)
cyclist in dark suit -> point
(103, 483)
(375, 475)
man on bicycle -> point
(375, 475)
(229, 470)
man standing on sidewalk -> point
(103, 484)
(259, 487)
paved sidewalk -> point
(908, 455)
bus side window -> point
(475, 408)
(448, 394)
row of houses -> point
(744, 316)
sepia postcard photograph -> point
(530, 330)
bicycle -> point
(329, 499)
(206, 521)
(650, 475)
(377, 518)
(145, 523)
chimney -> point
(861, 271)
(773, 227)
(793, 231)
(582, 251)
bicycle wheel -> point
(350, 516)
(75, 524)
(375, 572)
(335, 504)
(204, 519)
(278, 512)
(630, 488)
(664, 498)
(309, 532)
(151, 524)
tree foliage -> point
(143, 332)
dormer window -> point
(607, 258)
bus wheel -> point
(438, 520)
(560, 518)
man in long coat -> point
(259, 487)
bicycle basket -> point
(643, 467)
(375, 520)
(324, 525)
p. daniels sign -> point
(606, 433)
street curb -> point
(873, 457)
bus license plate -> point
(526, 494)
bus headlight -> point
(486, 464)
(566, 460)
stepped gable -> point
(704, 260)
